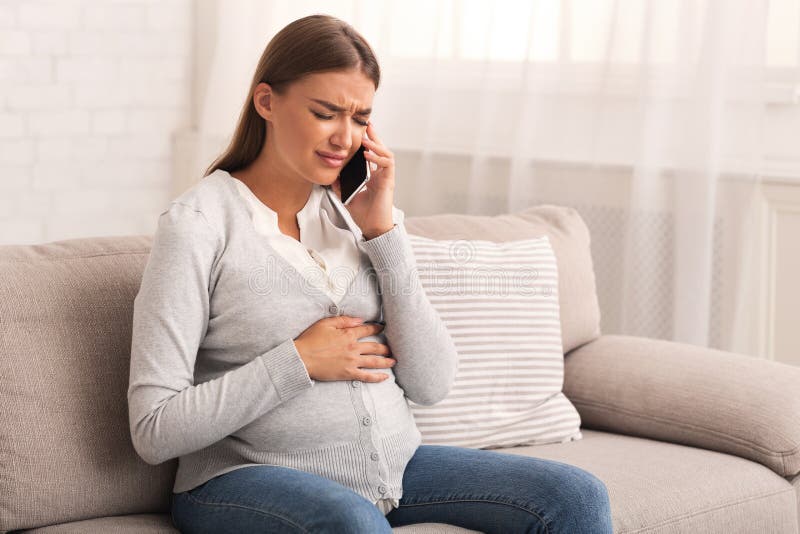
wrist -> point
(377, 233)
(299, 347)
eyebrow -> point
(334, 107)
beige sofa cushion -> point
(569, 236)
(697, 396)
(65, 334)
(665, 488)
(125, 524)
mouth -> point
(331, 161)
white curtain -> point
(647, 117)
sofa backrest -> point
(569, 237)
(65, 332)
(66, 311)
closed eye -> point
(329, 117)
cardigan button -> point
(374, 455)
(382, 489)
(333, 309)
(366, 420)
(356, 384)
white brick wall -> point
(91, 93)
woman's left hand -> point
(371, 208)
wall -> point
(91, 95)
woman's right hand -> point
(330, 350)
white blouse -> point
(326, 255)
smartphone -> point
(354, 175)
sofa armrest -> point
(691, 395)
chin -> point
(325, 181)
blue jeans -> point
(479, 489)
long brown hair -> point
(315, 43)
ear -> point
(262, 100)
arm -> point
(687, 394)
(169, 415)
(426, 355)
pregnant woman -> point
(279, 334)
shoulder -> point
(209, 200)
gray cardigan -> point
(216, 379)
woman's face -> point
(304, 122)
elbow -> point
(427, 395)
(430, 400)
(451, 370)
(145, 419)
(445, 385)
(145, 448)
(146, 452)
(445, 390)
(143, 443)
(150, 458)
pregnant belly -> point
(328, 412)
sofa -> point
(686, 438)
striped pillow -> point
(499, 301)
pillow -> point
(570, 239)
(499, 302)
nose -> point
(343, 136)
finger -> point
(370, 329)
(376, 362)
(374, 377)
(372, 133)
(381, 161)
(373, 347)
(346, 321)
(379, 362)
(374, 148)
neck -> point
(283, 192)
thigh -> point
(275, 499)
(492, 491)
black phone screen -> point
(353, 175)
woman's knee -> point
(588, 486)
(585, 506)
(353, 518)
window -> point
(462, 36)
